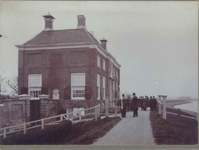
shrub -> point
(49, 135)
(174, 131)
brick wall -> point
(14, 112)
(48, 108)
(56, 67)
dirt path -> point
(130, 131)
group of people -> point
(128, 104)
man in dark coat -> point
(154, 103)
(135, 105)
(123, 106)
(151, 103)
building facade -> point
(70, 66)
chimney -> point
(48, 22)
(103, 43)
(81, 22)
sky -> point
(155, 42)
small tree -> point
(2, 88)
(13, 85)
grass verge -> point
(174, 131)
(85, 133)
(48, 135)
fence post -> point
(24, 128)
(42, 123)
(61, 117)
(67, 114)
(164, 107)
(98, 111)
(159, 106)
(197, 117)
(95, 113)
(4, 132)
(115, 111)
(80, 116)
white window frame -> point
(37, 88)
(104, 87)
(98, 61)
(104, 64)
(98, 85)
(81, 87)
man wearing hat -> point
(135, 105)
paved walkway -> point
(130, 131)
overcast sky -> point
(151, 40)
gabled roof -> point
(61, 36)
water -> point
(190, 106)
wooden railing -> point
(163, 111)
(90, 113)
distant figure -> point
(144, 104)
(123, 106)
(151, 103)
(135, 105)
(154, 103)
(127, 104)
(147, 101)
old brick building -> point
(70, 66)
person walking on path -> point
(135, 105)
(123, 106)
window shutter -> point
(67, 92)
(24, 90)
(44, 90)
(88, 92)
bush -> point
(87, 132)
(174, 131)
(49, 135)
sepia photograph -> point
(99, 73)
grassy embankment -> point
(174, 131)
(86, 133)
(64, 134)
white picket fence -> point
(162, 110)
(91, 113)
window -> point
(98, 86)
(116, 90)
(98, 61)
(104, 64)
(114, 70)
(113, 89)
(76, 113)
(117, 73)
(104, 87)
(78, 86)
(34, 85)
